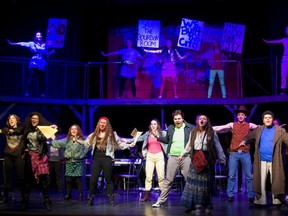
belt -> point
(239, 151)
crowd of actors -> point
(168, 57)
(167, 150)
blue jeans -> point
(245, 159)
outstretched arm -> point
(223, 128)
(109, 54)
(25, 44)
(280, 41)
(14, 44)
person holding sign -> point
(284, 63)
(154, 152)
(35, 155)
(169, 58)
(103, 142)
(129, 68)
(37, 65)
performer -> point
(130, 58)
(284, 63)
(169, 57)
(37, 65)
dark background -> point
(87, 34)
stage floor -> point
(130, 205)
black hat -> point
(243, 109)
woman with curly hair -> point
(197, 193)
(35, 156)
(75, 155)
(103, 141)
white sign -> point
(148, 33)
(190, 34)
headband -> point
(103, 117)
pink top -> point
(154, 146)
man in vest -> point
(239, 129)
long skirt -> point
(198, 188)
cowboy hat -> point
(243, 109)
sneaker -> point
(230, 200)
(157, 205)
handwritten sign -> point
(190, 34)
(56, 33)
(233, 37)
(148, 33)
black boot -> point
(4, 199)
(111, 199)
(68, 196)
(25, 202)
(80, 197)
(47, 204)
(90, 200)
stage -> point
(131, 206)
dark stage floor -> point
(130, 206)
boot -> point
(146, 197)
(47, 204)
(111, 199)
(25, 202)
(80, 197)
(68, 196)
(90, 200)
(4, 199)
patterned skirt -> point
(75, 168)
(198, 188)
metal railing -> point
(70, 79)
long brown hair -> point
(108, 133)
(209, 132)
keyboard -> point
(127, 161)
